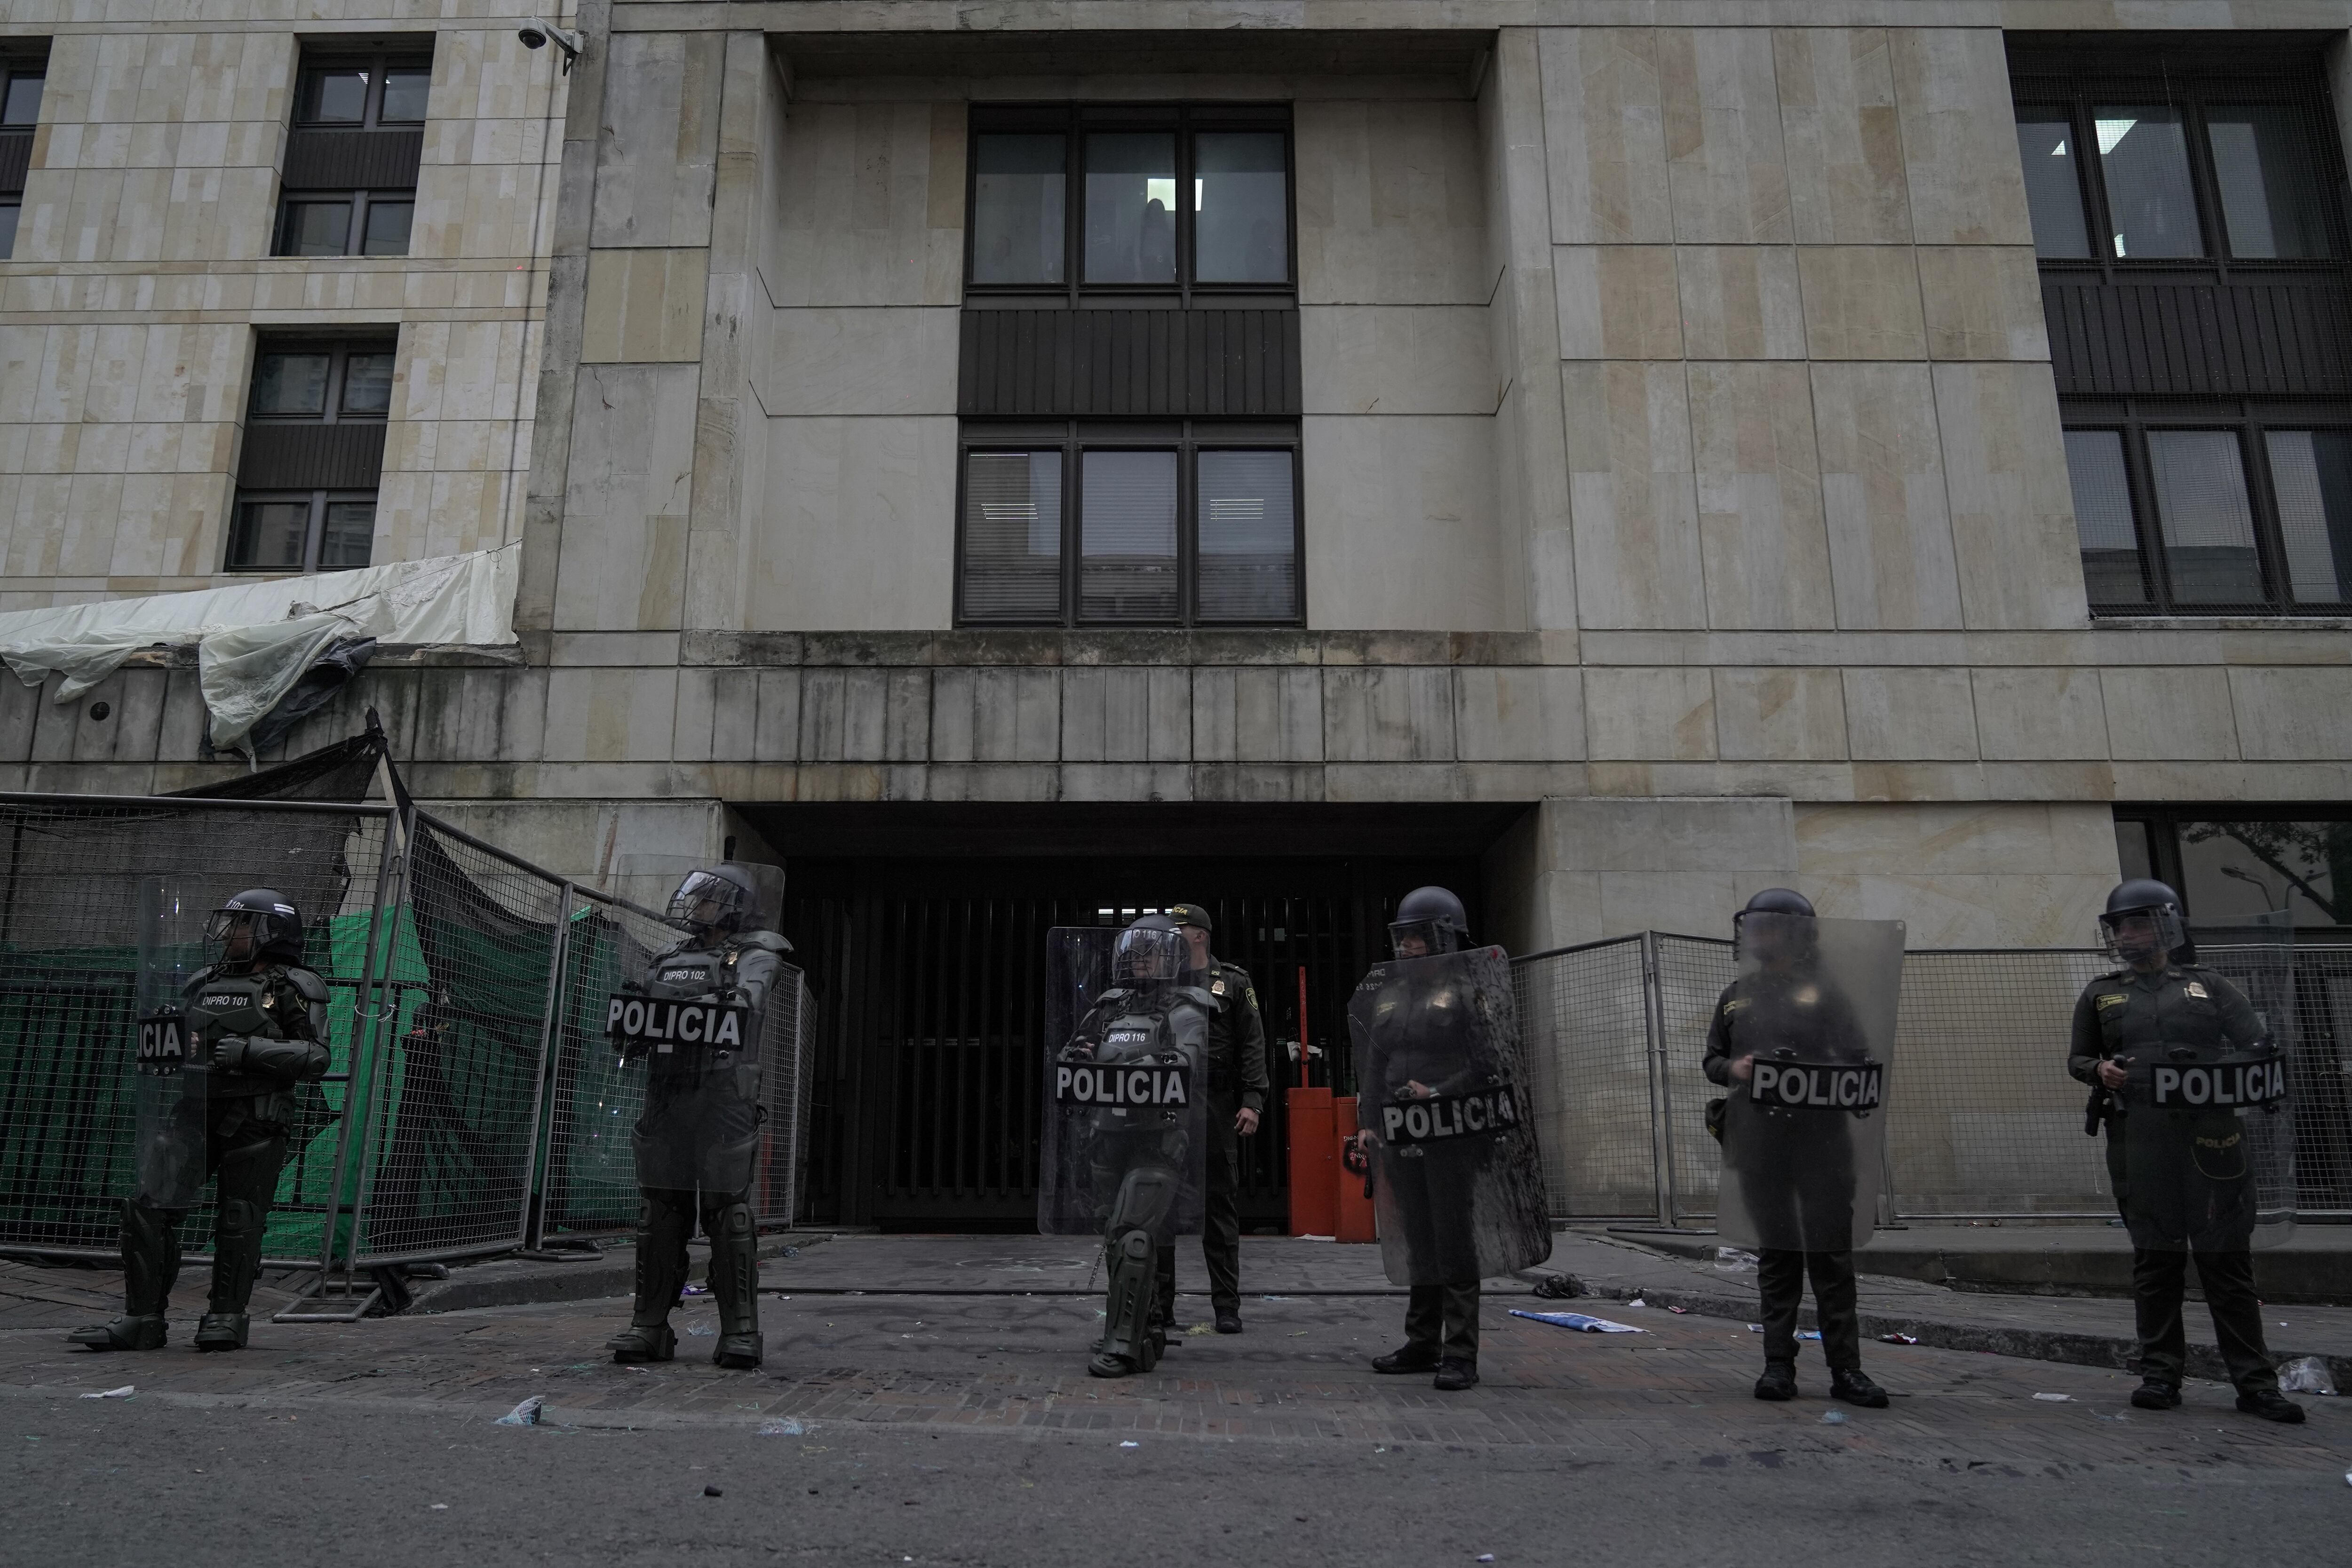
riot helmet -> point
(259, 922)
(730, 896)
(1431, 918)
(1776, 924)
(2142, 923)
(1152, 953)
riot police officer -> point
(1457, 1186)
(2181, 1175)
(1238, 1085)
(256, 1027)
(1795, 1172)
(697, 1142)
(1142, 1152)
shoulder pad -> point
(305, 980)
(767, 941)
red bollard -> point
(1314, 1160)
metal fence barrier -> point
(1983, 1119)
(473, 1104)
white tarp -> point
(255, 639)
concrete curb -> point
(2114, 1352)
(525, 1282)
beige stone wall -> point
(1804, 365)
(141, 279)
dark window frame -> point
(1183, 122)
(2076, 98)
(376, 63)
(2246, 418)
(339, 348)
(2161, 822)
(1188, 438)
(14, 67)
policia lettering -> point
(693, 1028)
(2191, 1088)
(221, 1089)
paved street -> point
(961, 1428)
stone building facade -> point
(1682, 488)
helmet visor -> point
(706, 898)
(2139, 935)
(1767, 936)
(1149, 954)
(222, 924)
(1419, 939)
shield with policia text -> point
(1457, 1183)
(696, 1025)
(2208, 1132)
(169, 1067)
(1126, 1091)
(1813, 1015)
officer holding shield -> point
(1802, 1127)
(1457, 1186)
(1238, 1085)
(1124, 1130)
(249, 1029)
(695, 1030)
(2196, 1101)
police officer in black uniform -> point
(1798, 1177)
(256, 1024)
(1430, 1054)
(2157, 1008)
(1238, 1085)
(698, 1141)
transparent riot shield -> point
(1442, 1090)
(1810, 1021)
(1125, 1096)
(694, 1026)
(170, 1074)
(2208, 1125)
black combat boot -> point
(2271, 1406)
(2155, 1394)
(662, 1227)
(1411, 1358)
(1455, 1373)
(735, 1283)
(1779, 1382)
(1229, 1320)
(1853, 1385)
(236, 1261)
(151, 1265)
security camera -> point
(535, 34)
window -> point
(352, 158)
(2218, 171)
(1120, 169)
(21, 81)
(2233, 864)
(314, 447)
(2213, 510)
(1192, 523)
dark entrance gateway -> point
(923, 928)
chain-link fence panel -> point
(1583, 1018)
(1982, 1118)
(467, 963)
(71, 872)
(783, 1096)
(1691, 973)
(2319, 1080)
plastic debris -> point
(1582, 1321)
(696, 1290)
(1637, 1301)
(441, 1508)
(122, 1392)
(1809, 1333)
(1485, 1557)
(526, 1413)
(784, 1428)
(712, 1491)
(1732, 1261)
(703, 1330)
(1899, 1339)
(1274, 1298)
(2305, 1374)
(1678, 1311)
(1834, 1418)
(1130, 1443)
(1201, 1328)
(791, 1252)
(1755, 1328)
(2055, 1398)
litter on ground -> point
(1578, 1320)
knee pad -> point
(1144, 1199)
(729, 1218)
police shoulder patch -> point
(1217, 986)
(2197, 990)
(2112, 999)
